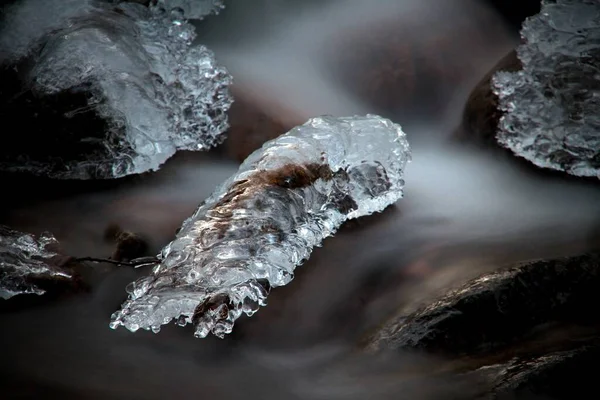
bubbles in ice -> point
(264, 221)
(551, 107)
(25, 261)
(124, 81)
(193, 9)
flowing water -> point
(464, 212)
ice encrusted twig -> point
(25, 261)
(264, 221)
(551, 106)
(120, 86)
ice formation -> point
(552, 106)
(263, 222)
(27, 261)
(194, 9)
(123, 81)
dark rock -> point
(481, 114)
(129, 245)
(499, 309)
(50, 127)
(558, 375)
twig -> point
(136, 262)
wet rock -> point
(128, 245)
(481, 114)
(559, 375)
(499, 309)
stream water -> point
(464, 212)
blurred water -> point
(465, 212)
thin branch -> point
(136, 262)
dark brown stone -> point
(499, 309)
(77, 128)
(129, 245)
(567, 375)
(481, 114)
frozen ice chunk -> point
(107, 90)
(25, 23)
(552, 106)
(194, 9)
(264, 221)
(26, 262)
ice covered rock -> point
(264, 221)
(103, 91)
(551, 106)
(27, 263)
(481, 114)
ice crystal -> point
(130, 67)
(551, 107)
(264, 221)
(25, 261)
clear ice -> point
(157, 92)
(552, 106)
(194, 9)
(24, 260)
(264, 221)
